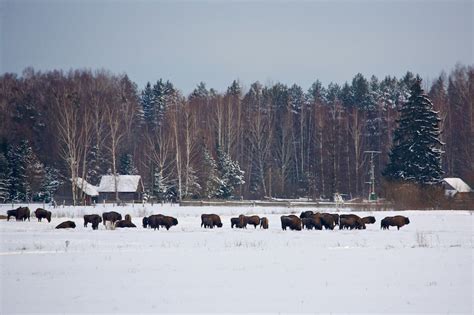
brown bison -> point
(253, 220)
(312, 222)
(23, 213)
(306, 214)
(264, 223)
(234, 222)
(67, 225)
(95, 219)
(158, 220)
(397, 221)
(124, 224)
(327, 220)
(368, 220)
(43, 214)
(128, 218)
(12, 213)
(351, 223)
(335, 216)
(210, 220)
(111, 216)
(291, 221)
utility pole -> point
(372, 195)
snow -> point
(424, 267)
(125, 183)
(87, 188)
(457, 184)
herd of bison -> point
(308, 219)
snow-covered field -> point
(427, 266)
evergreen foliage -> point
(416, 154)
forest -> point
(250, 142)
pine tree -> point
(126, 166)
(213, 181)
(20, 159)
(230, 174)
(416, 154)
(50, 183)
(160, 187)
(146, 100)
(5, 174)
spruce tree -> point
(230, 174)
(5, 174)
(213, 181)
(50, 183)
(416, 153)
(21, 159)
(126, 166)
(146, 100)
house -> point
(454, 185)
(129, 188)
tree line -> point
(257, 142)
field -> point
(427, 266)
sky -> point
(216, 42)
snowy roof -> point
(87, 188)
(125, 183)
(457, 184)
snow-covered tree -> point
(416, 153)
(146, 101)
(191, 187)
(21, 160)
(5, 174)
(50, 184)
(160, 186)
(213, 181)
(126, 166)
(230, 174)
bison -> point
(23, 213)
(43, 214)
(124, 224)
(351, 222)
(95, 219)
(158, 220)
(234, 222)
(327, 220)
(12, 213)
(111, 216)
(291, 221)
(397, 221)
(312, 222)
(210, 220)
(368, 220)
(264, 223)
(253, 220)
(67, 225)
(306, 214)
(128, 218)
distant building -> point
(454, 185)
(129, 187)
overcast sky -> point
(192, 41)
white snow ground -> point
(426, 267)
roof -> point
(457, 184)
(87, 188)
(125, 183)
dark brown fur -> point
(111, 216)
(253, 220)
(43, 214)
(23, 213)
(234, 222)
(66, 225)
(397, 221)
(351, 223)
(264, 223)
(12, 213)
(368, 220)
(306, 214)
(210, 220)
(291, 221)
(95, 219)
(124, 224)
